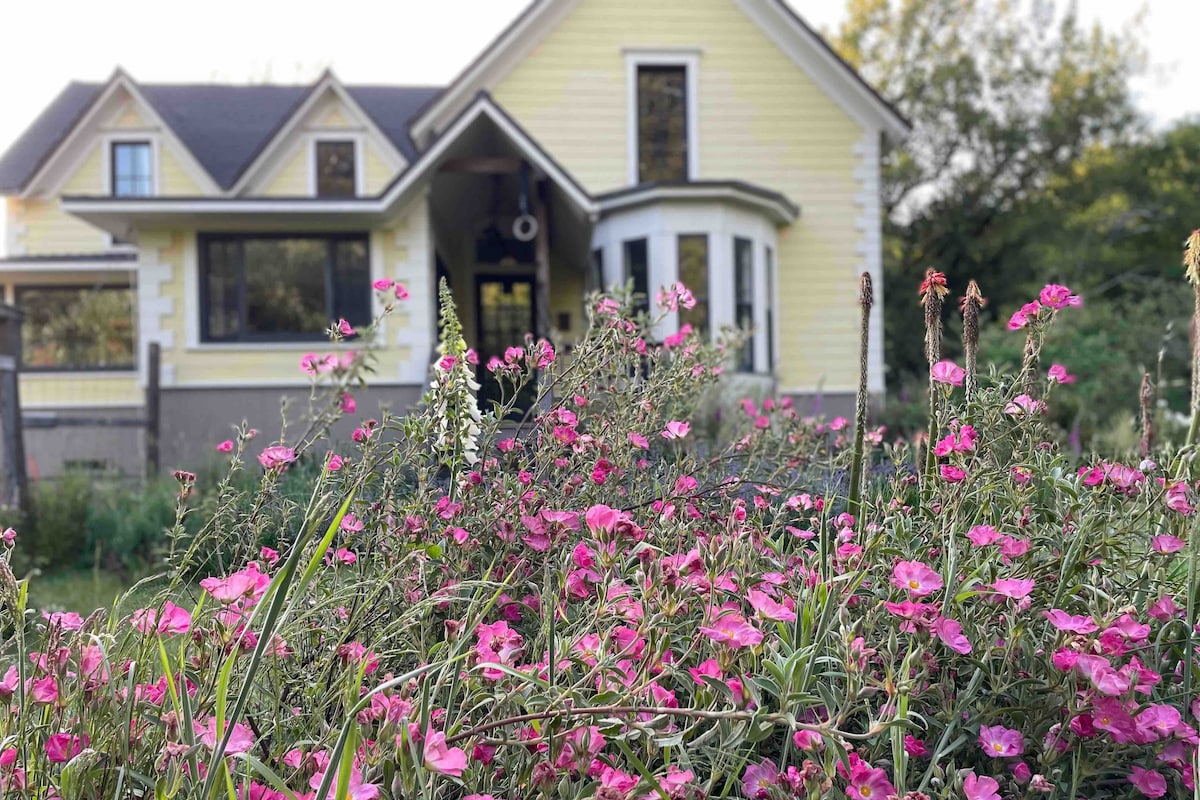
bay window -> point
(637, 272)
(272, 288)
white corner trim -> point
(689, 59)
(869, 247)
(360, 151)
(152, 308)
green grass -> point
(82, 591)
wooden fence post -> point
(153, 407)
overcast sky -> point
(47, 44)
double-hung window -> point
(637, 272)
(131, 169)
(272, 288)
(743, 298)
(336, 169)
(693, 273)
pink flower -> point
(1149, 782)
(276, 457)
(950, 632)
(225, 446)
(1056, 297)
(1167, 544)
(241, 738)
(982, 535)
(44, 690)
(9, 537)
(345, 328)
(62, 747)
(1067, 622)
(733, 629)
(442, 759)
(357, 789)
(637, 440)
(947, 372)
(1058, 374)
(865, 782)
(1014, 588)
(758, 779)
(248, 582)
(1024, 404)
(915, 578)
(333, 462)
(952, 474)
(1022, 317)
(172, 620)
(676, 430)
(351, 524)
(401, 291)
(383, 284)
(1000, 742)
(980, 788)
(768, 608)
(1013, 548)
(915, 747)
(347, 403)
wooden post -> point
(13, 425)
(153, 407)
(542, 254)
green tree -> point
(1005, 99)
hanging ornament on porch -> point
(525, 226)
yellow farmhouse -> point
(594, 142)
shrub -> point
(591, 602)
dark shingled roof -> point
(224, 126)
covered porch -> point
(513, 238)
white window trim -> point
(689, 59)
(106, 147)
(336, 136)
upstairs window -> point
(662, 123)
(132, 169)
(336, 169)
(743, 298)
(264, 288)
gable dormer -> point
(329, 147)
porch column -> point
(541, 299)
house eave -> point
(775, 206)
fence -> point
(14, 490)
(50, 438)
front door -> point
(505, 316)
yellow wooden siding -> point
(175, 180)
(376, 172)
(291, 180)
(761, 120)
(79, 390)
(42, 227)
